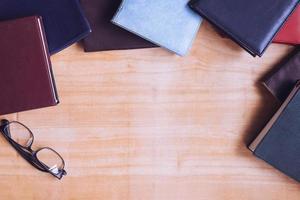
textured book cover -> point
(285, 75)
(63, 20)
(169, 23)
(251, 24)
(290, 32)
(106, 35)
(26, 76)
(279, 142)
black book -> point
(279, 142)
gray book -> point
(169, 23)
(279, 142)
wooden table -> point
(147, 124)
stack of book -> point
(31, 31)
(279, 142)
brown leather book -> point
(285, 75)
(26, 76)
(105, 35)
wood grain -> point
(147, 124)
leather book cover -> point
(290, 32)
(279, 142)
(105, 35)
(63, 20)
(285, 75)
(26, 76)
(251, 24)
(169, 23)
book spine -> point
(47, 58)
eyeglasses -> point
(21, 138)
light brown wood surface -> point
(149, 125)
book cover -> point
(251, 24)
(170, 23)
(279, 142)
(290, 32)
(26, 76)
(63, 20)
(106, 35)
(285, 75)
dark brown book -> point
(285, 75)
(26, 76)
(105, 35)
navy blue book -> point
(63, 20)
(250, 23)
(279, 142)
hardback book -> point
(286, 74)
(105, 35)
(168, 23)
(26, 76)
(63, 20)
(290, 32)
(279, 142)
(251, 24)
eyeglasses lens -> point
(20, 134)
(51, 159)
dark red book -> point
(290, 32)
(26, 76)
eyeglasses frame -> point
(28, 153)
